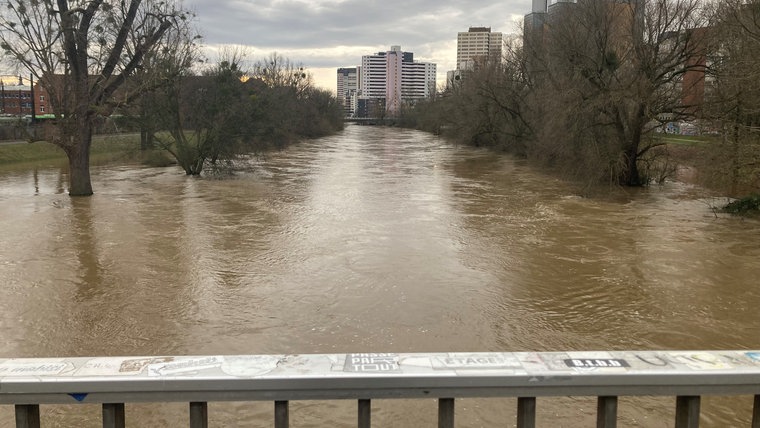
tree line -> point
(139, 58)
(588, 89)
(207, 120)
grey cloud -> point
(425, 27)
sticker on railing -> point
(79, 396)
(110, 366)
(475, 361)
(596, 363)
(34, 368)
(371, 363)
(250, 365)
(133, 365)
(184, 365)
(699, 360)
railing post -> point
(606, 412)
(198, 415)
(27, 416)
(445, 413)
(113, 415)
(281, 414)
(756, 413)
(365, 414)
(687, 411)
(526, 412)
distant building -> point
(624, 18)
(19, 99)
(389, 80)
(478, 45)
(453, 77)
(693, 88)
(534, 28)
(475, 47)
(372, 76)
(626, 21)
(348, 86)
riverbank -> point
(699, 162)
(105, 148)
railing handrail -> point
(369, 376)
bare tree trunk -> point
(79, 162)
(735, 166)
(631, 173)
(635, 152)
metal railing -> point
(198, 380)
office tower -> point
(477, 46)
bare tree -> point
(279, 72)
(202, 120)
(212, 121)
(489, 105)
(287, 85)
(613, 72)
(733, 101)
(173, 59)
(83, 52)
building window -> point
(42, 98)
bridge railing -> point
(198, 380)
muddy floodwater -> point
(373, 240)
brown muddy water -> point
(374, 240)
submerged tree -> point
(614, 71)
(208, 118)
(227, 113)
(172, 60)
(83, 52)
(591, 82)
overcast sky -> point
(323, 35)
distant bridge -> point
(371, 120)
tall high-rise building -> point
(348, 86)
(394, 75)
(372, 76)
(392, 78)
(477, 46)
(419, 80)
(534, 30)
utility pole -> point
(2, 96)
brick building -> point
(20, 99)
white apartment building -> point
(372, 76)
(419, 80)
(393, 78)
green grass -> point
(685, 140)
(104, 148)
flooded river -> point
(374, 240)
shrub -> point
(746, 205)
